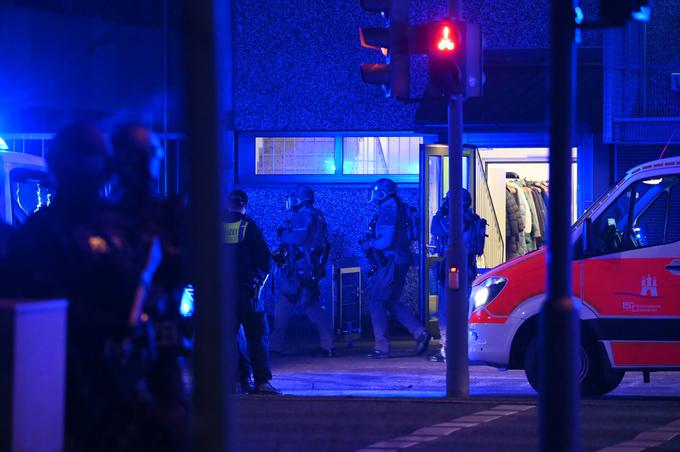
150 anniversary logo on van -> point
(649, 290)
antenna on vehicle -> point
(668, 143)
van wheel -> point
(595, 373)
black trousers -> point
(256, 331)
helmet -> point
(467, 199)
(298, 196)
(77, 157)
(137, 154)
(383, 189)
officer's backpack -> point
(475, 233)
(411, 221)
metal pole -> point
(457, 373)
(207, 28)
(559, 327)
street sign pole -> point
(457, 373)
(559, 329)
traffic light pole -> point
(559, 329)
(457, 373)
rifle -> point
(376, 258)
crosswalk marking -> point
(648, 439)
(443, 429)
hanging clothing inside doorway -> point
(525, 204)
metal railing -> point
(494, 247)
(171, 181)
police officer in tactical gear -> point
(154, 227)
(245, 242)
(391, 240)
(304, 251)
(70, 249)
(440, 238)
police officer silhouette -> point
(245, 240)
(70, 249)
(304, 248)
(440, 238)
(392, 241)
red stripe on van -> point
(483, 316)
(646, 354)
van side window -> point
(608, 229)
(655, 220)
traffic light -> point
(454, 49)
(620, 12)
(392, 40)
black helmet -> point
(467, 199)
(298, 196)
(78, 157)
(465, 196)
(383, 189)
(137, 153)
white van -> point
(24, 186)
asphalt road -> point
(292, 423)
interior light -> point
(3, 145)
(653, 181)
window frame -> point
(12, 176)
(628, 245)
(246, 159)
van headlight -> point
(484, 293)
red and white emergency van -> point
(626, 283)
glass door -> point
(434, 183)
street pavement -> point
(351, 403)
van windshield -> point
(31, 190)
(599, 201)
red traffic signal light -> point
(445, 38)
(454, 50)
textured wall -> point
(297, 61)
(663, 58)
(347, 212)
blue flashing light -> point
(186, 305)
(643, 14)
(3, 145)
(579, 15)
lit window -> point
(380, 155)
(295, 155)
